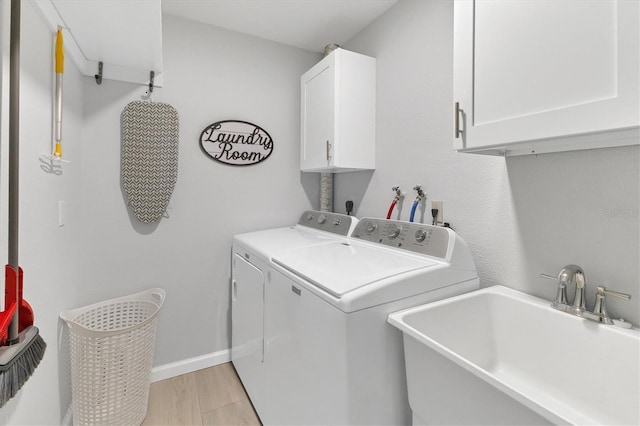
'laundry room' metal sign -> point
(235, 142)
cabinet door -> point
(530, 70)
(318, 110)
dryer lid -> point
(339, 268)
(269, 241)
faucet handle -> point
(549, 277)
(600, 307)
(617, 294)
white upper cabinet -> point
(338, 114)
(125, 35)
(534, 76)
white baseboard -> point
(190, 365)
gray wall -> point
(520, 216)
(210, 74)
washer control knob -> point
(309, 216)
(371, 226)
(420, 235)
(336, 221)
(394, 231)
(322, 219)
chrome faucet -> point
(570, 275)
(574, 275)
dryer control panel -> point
(335, 223)
(416, 237)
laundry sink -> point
(499, 356)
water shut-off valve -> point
(421, 196)
(395, 200)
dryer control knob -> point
(322, 219)
(394, 231)
(309, 216)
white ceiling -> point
(308, 24)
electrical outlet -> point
(349, 205)
(440, 206)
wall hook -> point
(99, 75)
(151, 75)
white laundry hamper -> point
(112, 345)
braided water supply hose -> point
(395, 200)
(421, 196)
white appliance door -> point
(247, 326)
(305, 357)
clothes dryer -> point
(250, 269)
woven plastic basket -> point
(112, 344)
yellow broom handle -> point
(59, 72)
(59, 53)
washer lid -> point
(339, 268)
(269, 241)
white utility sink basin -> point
(499, 356)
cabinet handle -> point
(457, 112)
(328, 151)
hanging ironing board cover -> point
(149, 157)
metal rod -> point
(57, 152)
(14, 152)
(14, 129)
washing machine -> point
(330, 356)
(251, 257)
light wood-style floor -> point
(213, 396)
